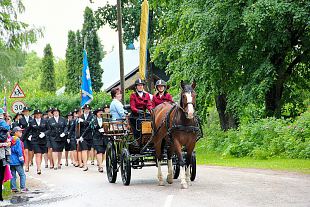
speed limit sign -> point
(18, 106)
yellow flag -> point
(144, 24)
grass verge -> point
(292, 165)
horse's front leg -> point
(159, 174)
(178, 150)
(170, 172)
(188, 163)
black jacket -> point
(86, 131)
(34, 130)
(56, 129)
(24, 125)
(98, 137)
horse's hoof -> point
(169, 180)
(189, 183)
(184, 186)
(161, 183)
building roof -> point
(110, 65)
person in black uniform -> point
(49, 155)
(85, 140)
(16, 119)
(100, 141)
(72, 137)
(67, 138)
(24, 123)
(57, 129)
(37, 129)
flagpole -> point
(120, 45)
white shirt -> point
(99, 121)
(140, 93)
(27, 118)
(56, 118)
(38, 121)
(85, 115)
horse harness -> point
(175, 127)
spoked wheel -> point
(176, 169)
(111, 163)
(125, 167)
(192, 167)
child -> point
(17, 160)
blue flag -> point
(87, 92)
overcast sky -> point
(57, 17)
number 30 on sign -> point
(18, 106)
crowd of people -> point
(45, 135)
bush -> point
(65, 103)
(263, 138)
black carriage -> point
(124, 153)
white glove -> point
(29, 138)
(41, 135)
(81, 139)
(68, 140)
(62, 134)
(81, 120)
(101, 130)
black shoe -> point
(46, 166)
(39, 172)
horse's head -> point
(188, 99)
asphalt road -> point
(214, 186)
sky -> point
(57, 17)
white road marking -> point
(168, 200)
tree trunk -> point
(273, 99)
(227, 119)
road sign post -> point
(17, 92)
(18, 106)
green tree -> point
(11, 64)
(48, 70)
(239, 52)
(93, 48)
(13, 32)
(60, 73)
(31, 71)
(72, 77)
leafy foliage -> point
(72, 64)
(13, 32)
(263, 139)
(48, 70)
(11, 62)
(93, 48)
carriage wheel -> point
(111, 163)
(176, 171)
(125, 167)
(193, 167)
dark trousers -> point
(2, 168)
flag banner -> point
(144, 27)
(87, 92)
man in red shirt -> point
(162, 95)
(140, 101)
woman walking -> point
(37, 129)
(57, 129)
(100, 141)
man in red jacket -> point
(140, 101)
(162, 95)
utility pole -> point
(120, 46)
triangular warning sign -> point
(17, 92)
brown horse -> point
(175, 126)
